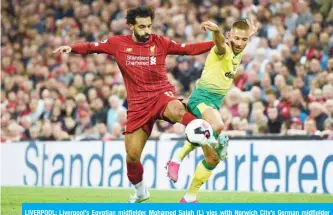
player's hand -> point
(208, 25)
(63, 49)
(254, 25)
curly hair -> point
(141, 11)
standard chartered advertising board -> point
(256, 165)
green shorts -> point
(200, 99)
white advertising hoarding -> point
(258, 165)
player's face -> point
(142, 28)
(238, 39)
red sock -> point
(187, 118)
(134, 172)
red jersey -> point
(142, 64)
(144, 72)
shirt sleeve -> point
(108, 46)
(174, 48)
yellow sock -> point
(201, 175)
(187, 148)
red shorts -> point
(146, 117)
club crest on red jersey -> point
(152, 50)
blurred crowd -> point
(284, 87)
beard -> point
(236, 49)
(141, 38)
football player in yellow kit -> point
(205, 101)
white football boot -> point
(139, 198)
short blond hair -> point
(241, 24)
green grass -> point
(13, 197)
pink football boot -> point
(184, 201)
(173, 169)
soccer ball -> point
(199, 132)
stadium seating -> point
(284, 87)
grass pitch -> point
(13, 197)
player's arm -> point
(218, 37)
(174, 48)
(106, 47)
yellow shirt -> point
(220, 71)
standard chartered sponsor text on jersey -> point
(141, 58)
(137, 63)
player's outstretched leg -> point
(174, 164)
(134, 143)
(202, 174)
(213, 155)
(221, 148)
(213, 117)
(175, 111)
(198, 132)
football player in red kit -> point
(141, 59)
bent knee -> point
(176, 111)
(212, 160)
(218, 128)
